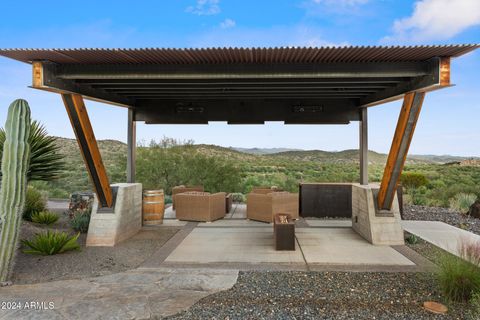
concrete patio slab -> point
(244, 244)
(235, 223)
(249, 245)
(239, 211)
(443, 235)
(329, 223)
(344, 246)
(173, 223)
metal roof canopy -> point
(243, 85)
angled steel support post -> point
(412, 104)
(131, 143)
(88, 146)
(363, 146)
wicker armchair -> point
(200, 206)
(181, 189)
(263, 207)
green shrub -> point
(458, 279)
(475, 306)
(411, 239)
(238, 197)
(46, 163)
(51, 242)
(80, 219)
(168, 199)
(462, 201)
(45, 217)
(413, 180)
(34, 203)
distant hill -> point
(441, 158)
(282, 167)
(112, 149)
(262, 151)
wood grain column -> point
(88, 146)
(412, 104)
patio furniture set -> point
(191, 203)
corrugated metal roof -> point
(239, 55)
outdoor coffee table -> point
(284, 232)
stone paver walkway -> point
(136, 294)
(443, 235)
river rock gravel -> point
(459, 220)
(89, 261)
(324, 295)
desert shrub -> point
(46, 163)
(165, 164)
(34, 203)
(458, 279)
(413, 180)
(80, 220)
(462, 201)
(470, 251)
(45, 217)
(415, 186)
(238, 197)
(411, 239)
(51, 242)
(475, 306)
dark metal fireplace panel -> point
(322, 200)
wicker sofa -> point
(200, 206)
(181, 189)
(263, 206)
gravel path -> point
(90, 261)
(462, 221)
(323, 295)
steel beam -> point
(438, 77)
(244, 71)
(88, 147)
(247, 82)
(45, 78)
(363, 126)
(246, 111)
(407, 120)
(131, 146)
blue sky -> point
(449, 123)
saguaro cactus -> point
(16, 155)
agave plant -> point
(46, 163)
(51, 242)
(45, 217)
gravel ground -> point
(324, 295)
(412, 212)
(90, 261)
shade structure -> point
(243, 85)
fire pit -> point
(284, 232)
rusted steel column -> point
(363, 146)
(412, 104)
(88, 146)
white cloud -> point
(205, 7)
(227, 23)
(436, 20)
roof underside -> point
(242, 85)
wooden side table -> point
(284, 232)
